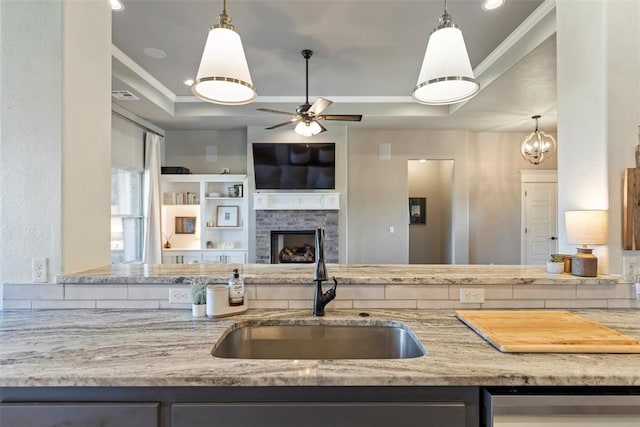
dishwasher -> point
(555, 407)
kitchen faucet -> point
(320, 275)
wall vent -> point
(123, 95)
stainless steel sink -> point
(319, 341)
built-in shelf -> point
(208, 244)
(224, 228)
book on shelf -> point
(187, 198)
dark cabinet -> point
(79, 414)
(320, 414)
(268, 406)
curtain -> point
(152, 245)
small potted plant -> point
(555, 265)
(199, 297)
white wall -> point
(55, 84)
(623, 118)
(494, 195)
(188, 148)
(336, 134)
(598, 48)
(86, 135)
(486, 197)
(378, 191)
(30, 137)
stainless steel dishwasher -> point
(561, 410)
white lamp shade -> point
(223, 76)
(446, 76)
(586, 227)
(308, 128)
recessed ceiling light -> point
(188, 82)
(154, 53)
(117, 5)
(492, 4)
(423, 160)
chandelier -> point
(538, 146)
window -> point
(126, 216)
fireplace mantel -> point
(296, 201)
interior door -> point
(540, 235)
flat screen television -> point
(294, 166)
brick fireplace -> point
(296, 220)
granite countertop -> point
(170, 348)
(345, 273)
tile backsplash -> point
(357, 296)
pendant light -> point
(223, 76)
(446, 76)
(537, 146)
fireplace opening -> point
(293, 246)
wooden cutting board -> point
(539, 331)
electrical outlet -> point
(39, 270)
(179, 296)
(630, 267)
(468, 296)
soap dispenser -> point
(236, 289)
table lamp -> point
(584, 228)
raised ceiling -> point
(367, 56)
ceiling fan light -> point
(309, 128)
(446, 76)
(223, 76)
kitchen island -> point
(170, 348)
(155, 367)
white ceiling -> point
(367, 56)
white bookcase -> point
(218, 203)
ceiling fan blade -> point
(269, 110)
(343, 117)
(288, 122)
(323, 129)
(319, 106)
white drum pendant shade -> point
(223, 76)
(446, 76)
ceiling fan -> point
(307, 116)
